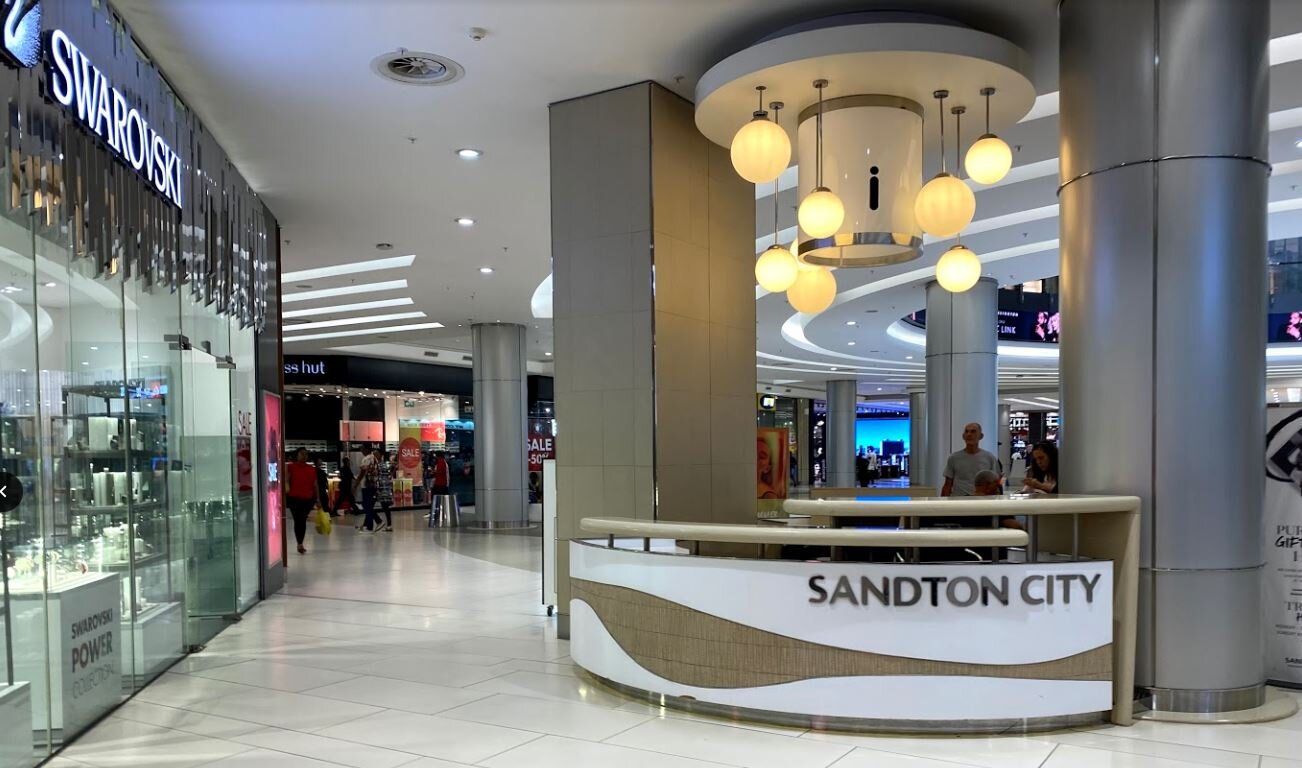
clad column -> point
(962, 368)
(1163, 227)
(1004, 414)
(500, 381)
(842, 397)
(917, 438)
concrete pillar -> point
(918, 438)
(1163, 227)
(962, 370)
(500, 381)
(653, 243)
(842, 400)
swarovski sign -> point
(77, 84)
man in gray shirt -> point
(962, 466)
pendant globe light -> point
(761, 150)
(813, 291)
(776, 269)
(958, 269)
(821, 212)
(989, 159)
(945, 205)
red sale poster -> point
(274, 461)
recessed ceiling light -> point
(83, 362)
(850, 343)
(384, 246)
(364, 331)
(850, 322)
(1298, 143)
(465, 221)
(908, 357)
(144, 357)
(467, 153)
(94, 349)
(354, 321)
(370, 265)
(549, 354)
(485, 270)
(879, 389)
(346, 290)
(834, 368)
(51, 284)
(355, 307)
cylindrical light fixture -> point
(821, 211)
(945, 205)
(761, 150)
(989, 159)
(813, 291)
(776, 269)
(958, 269)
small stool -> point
(444, 511)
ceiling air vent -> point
(417, 68)
(431, 354)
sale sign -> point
(409, 456)
(433, 432)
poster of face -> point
(772, 460)
(1282, 526)
(274, 461)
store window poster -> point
(772, 462)
(274, 461)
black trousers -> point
(300, 509)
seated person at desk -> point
(1042, 469)
(962, 466)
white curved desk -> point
(927, 647)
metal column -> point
(1004, 413)
(842, 399)
(500, 382)
(1163, 231)
(918, 438)
(962, 369)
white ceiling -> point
(286, 87)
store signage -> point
(305, 367)
(768, 402)
(79, 85)
(409, 453)
(541, 448)
(271, 482)
(22, 31)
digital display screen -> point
(271, 454)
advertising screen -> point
(272, 456)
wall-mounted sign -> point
(22, 31)
(1282, 531)
(305, 367)
(76, 84)
(768, 402)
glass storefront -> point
(128, 384)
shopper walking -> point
(442, 477)
(962, 466)
(367, 480)
(345, 496)
(384, 492)
(301, 494)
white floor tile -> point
(1180, 752)
(421, 698)
(184, 720)
(430, 736)
(557, 718)
(564, 668)
(287, 710)
(120, 743)
(732, 746)
(198, 662)
(555, 687)
(557, 752)
(1252, 739)
(1067, 756)
(434, 762)
(421, 670)
(1279, 762)
(997, 752)
(871, 758)
(185, 690)
(281, 677)
(646, 708)
(535, 650)
(264, 758)
(321, 748)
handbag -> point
(323, 523)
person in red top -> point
(442, 475)
(301, 494)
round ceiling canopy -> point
(867, 53)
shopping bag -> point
(323, 522)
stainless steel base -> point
(858, 725)
(1199, 701)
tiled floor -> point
(430, 650)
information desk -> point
(925, 646)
